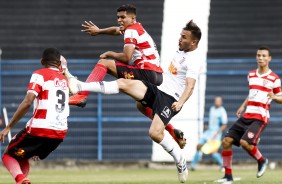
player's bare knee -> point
(155, 135)
(123, 84)
(227, 142)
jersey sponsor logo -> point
(129, 75)
(20, 153)
(172, 69)
(251, 135)
(60, 83)
(166, 112)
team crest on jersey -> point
(60, 83)
(166, 112)
(172, 69)
(264, 82)
(251, 135)
(20, 153)
(129, 75)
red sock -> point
(13, 167)
(170, 129)
(98, 74)
(24, 164)
(255, 153)
(227, 161)
(148, 112)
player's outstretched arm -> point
(20, 112)
(93, 30)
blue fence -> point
(15, 75)
(110, 127)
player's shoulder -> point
(252, 72)
(136, 27)
(48, 73)
(274, 75)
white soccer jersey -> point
(183, 65)
(260, 85)
(145, 55)
(51, 106)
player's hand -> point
(104, 55)
(176, 106)
(271, 95)
(90, 28)
(3, 134)
(239, 112)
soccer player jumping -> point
(138, 60)
(167, 99)
(264, 86)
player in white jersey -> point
(167, 99)
(48, 91)
(264, 85)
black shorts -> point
(25, 146)
(159, 101)
(133, 72)
(246, 129)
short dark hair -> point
(265, 47)
(51, 57)
(129, 8)
(195, 30)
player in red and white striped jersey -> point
(264, 86)
(139, 59)
(49, 93)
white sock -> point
(100, 87)
(168, 145)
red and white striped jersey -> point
(145, 55)
(51, 105)
(260, 85)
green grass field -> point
(139, 176)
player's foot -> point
(74, 86)
(24, 181)
(78, 100)
(179, 138)
(227, 179)
(182, 170)
(262, 167)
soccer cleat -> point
(227, 179)
(182, 170)
(179, 138)
(262, 167)
(24, 181)
(74, 86)
(78, 100)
